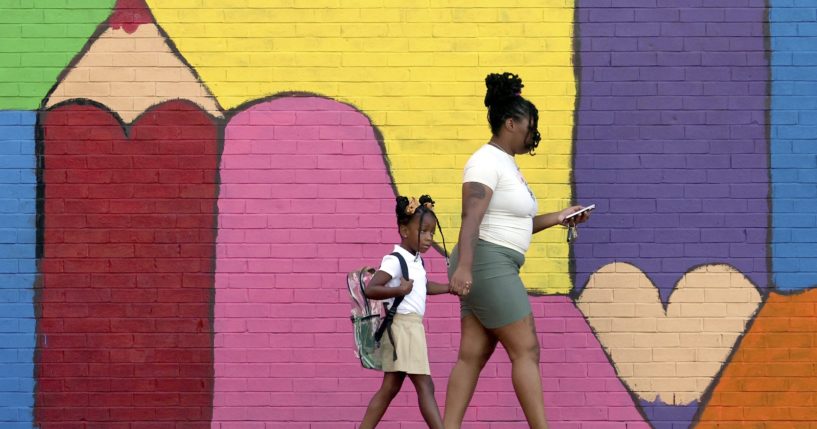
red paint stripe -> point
(125, 331)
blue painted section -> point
(794, 144)
(665, 416)
(17, 268)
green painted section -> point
(37, 40)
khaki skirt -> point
(410, 339)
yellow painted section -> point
(417, 69)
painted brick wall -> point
(185, 183)
(411, 56)
(125, 327)
(17, 267)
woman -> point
(498, 219)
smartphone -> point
(586, 209)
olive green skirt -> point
(497, 295)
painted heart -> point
(673, 354)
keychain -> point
(570, 221)
(572, 232)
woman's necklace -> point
(498, 147)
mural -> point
(129, 208)
(402, 66)
(793, 156)
(38, 42)
(670, 141)
(186, 183)
(784, 333)
(668, 356)
(17, 267)
(305, 194)
(671, 146)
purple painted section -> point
(665, 416)
(671, 143)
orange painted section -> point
(771, 380)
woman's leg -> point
(392, 381)
(519, 339)
(477, 344)
(425, 397)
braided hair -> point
(425, 207)
(504, 100)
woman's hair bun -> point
(502, 87)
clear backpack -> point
(371, 318)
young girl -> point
(416, 222)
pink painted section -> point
(581, 388)
(305, 197)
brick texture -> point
(125, 328)
(17, 267)
(180, 203)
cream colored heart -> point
(674, 355)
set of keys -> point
(572, 232)
(572, 229)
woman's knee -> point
(520, 340)
(525, 352)
(476, 357)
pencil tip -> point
(129, 15)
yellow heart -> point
(670, 355)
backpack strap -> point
(404, 269)
(391, 311)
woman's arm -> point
(475, 200)
(547, 220)
(434, 288)
(377, 289)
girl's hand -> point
(405, 287)
(461, 282)
(576, 219)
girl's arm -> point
(377, 289)
(475, 200)
(547, 220)
(434, 288)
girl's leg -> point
(476, 346)
(428, 404)
(392, 381)
(519, 339)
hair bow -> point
(412, 206)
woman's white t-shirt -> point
(509, 219)
(415, 301)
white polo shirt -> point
(415, 301)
